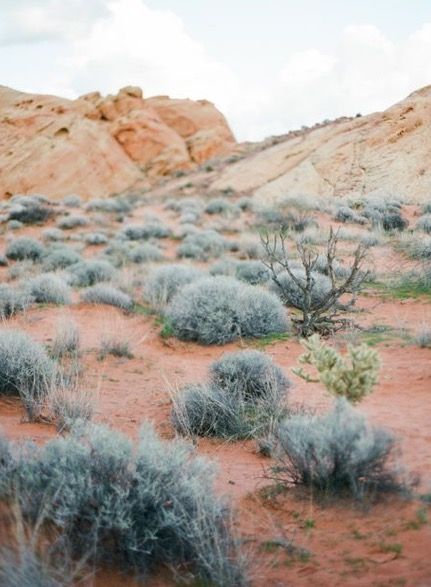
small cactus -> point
(352, 376)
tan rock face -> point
(203, 126)
(389, 150)
(47, 145)
(97, 146)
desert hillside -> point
(98, 146)
(387, 150)
(214, 357)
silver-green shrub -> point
(107, 294)
(49, 288)
(291, 294)
(60, 258)
(72, 221)
(25, 369)
(13, 300)
(249, 373)
(144, 253)
(24, 248)
(336, 453)
(135, 508)
(163, 282)
(87, 273)
(217, 310)
(202, 245)
(424, 223)
(96, 238)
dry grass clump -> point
(25, 370)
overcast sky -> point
(269, 65)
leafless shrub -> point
(321, 315)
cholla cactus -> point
(352, 376)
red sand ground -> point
(388, 544)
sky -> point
(269, 65)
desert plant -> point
(23, 270)
(291, 288)
(24, 248)
(217, 206)
(253, 272)
(145, 231)
(115, 205)
(423, 337)
(66, 341)
(210, 410)
(14, 225)
(34, 212)
(424, 223)
(317, 314)
(314, 236)
(248, 373)
(216, 310)
(25, 370)
(346, 214)
(186, 205)
(225, 266)
(394, 221)
(87, 273)
(28, 200)
(114, 346)
(352, 376)
(27, 570)
(202, 245)
(96, 238)
(72, 221)
(53, 234)
(48, 288)
(69, 405)
(144, 253)
(250, 249)
(371, 239)
(416, 247)
(335, 453)
(135, 508)
(60, 258)
(221, 206)
(72, 201)
(163, 282)
(245, 203)
(107, 294)
(13, 300)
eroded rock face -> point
(97, 146)
(388, 150)
(202, 126)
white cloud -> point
(26, 22)
(83, 45)
(365, 73)
(306, 66)
(134, 44)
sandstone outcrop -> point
(96, 146)
(388, 150)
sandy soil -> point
(338, 543)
